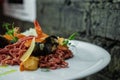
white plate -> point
(88, 59)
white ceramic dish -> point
(88, 59)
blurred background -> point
(96, 21)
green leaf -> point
(12, 25)
(15, 39)
(10, 31)
(66, 41)
(6, 25)
(72, 36)
(45, 70)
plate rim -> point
(106, 62)
(107, 59)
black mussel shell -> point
(37, 51)
(42, 49)
(3, 41)
(51, 39)
(46, 48)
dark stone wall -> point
(96, 21)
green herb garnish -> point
(7, 72)
(10, 31)
(3, 66)
(66, 41)
(45, 70)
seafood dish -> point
(32, 52)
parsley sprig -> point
(45, 70)
(10, 31)
(71, 37)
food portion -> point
(33, 52)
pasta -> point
(56, 60)
(49, 51)
(11, 53)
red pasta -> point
(57, 59)
(12, 53)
